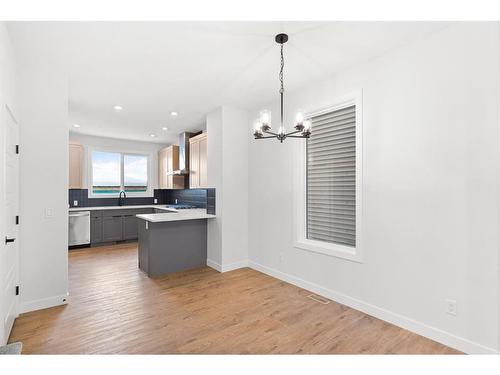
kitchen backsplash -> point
(202, 198)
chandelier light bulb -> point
(265, 119)
(299, 118)
(299, 121)
(307, 127)
(257, 129)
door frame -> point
(6, 112)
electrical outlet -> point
(75, 203)
(155, 201)
(451, 307)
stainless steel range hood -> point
(183, 154)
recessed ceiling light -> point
(152, 135)
(173, 113)
(76, 125)
(164, 128)
(118, 107)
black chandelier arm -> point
(267, 137)
(297, 136)
(294, 132)
(272, 133)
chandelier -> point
(262, 128)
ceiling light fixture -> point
(173, 113)
(263, 124)
(152, 135)
(76, 125)
(164, 128)
(118, 107)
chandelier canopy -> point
(263, 124)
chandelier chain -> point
(282, 89)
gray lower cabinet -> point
(130, 231)
(96, 229)
(112, 228)
(115, 225)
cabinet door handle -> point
(7, 240)
(117, 216)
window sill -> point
(129, 195)
(337, 251)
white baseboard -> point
(227, 267)
(420, 328)
(43, 303)
(216, 266)
(235, 265)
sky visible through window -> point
(135, 171)
(106, 172)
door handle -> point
(7, 240)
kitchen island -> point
(172, 241)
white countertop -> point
(191, 214)
(157, 206)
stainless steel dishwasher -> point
(79, 228)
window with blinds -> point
(331, 178)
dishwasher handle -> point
(76, 214)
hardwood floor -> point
(115, 308)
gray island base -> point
(171, 245)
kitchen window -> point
(112, 172)
(328, 211)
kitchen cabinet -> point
(198, 161)
(168, 161)
(75, 165)
(130, 231)
(115, 225)
(95, 227)
(112, 228)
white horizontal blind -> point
(331, 178)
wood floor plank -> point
(115, 308)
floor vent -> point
(319, 299)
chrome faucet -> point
(120, 199)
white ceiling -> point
(153, 68)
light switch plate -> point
(451, 307)
(155, 201)
(49, 212)
(75, 203)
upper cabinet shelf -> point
(75, 166)
(168, 161)
(198, 161)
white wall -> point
(430, 215)
(228, 173)
(214, 176)
(149, 148)
(43, 138)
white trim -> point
(299, 187)
(212, 264)
(90, 149)
(399, 320)
(227, 267)
(43, 303)
(235, 265)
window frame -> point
(300, 240)
(122, 152)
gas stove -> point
(180, 206)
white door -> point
(9, 243)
